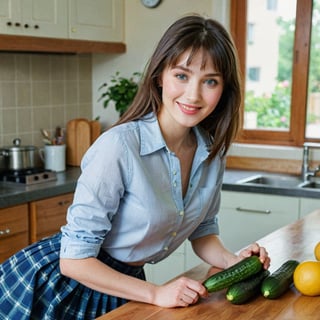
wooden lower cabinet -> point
(14, 230)
(48, 215)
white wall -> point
(143, 29)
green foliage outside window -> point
(272, 111)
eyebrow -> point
(215, 74)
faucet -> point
(306, 172)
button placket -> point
(175, 179)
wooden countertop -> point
(294, 241)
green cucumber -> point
(238, 272)
(279, 281)
(243, 291)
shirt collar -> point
(152, 140)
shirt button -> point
(165, 248)
(174, 184)
(181, 213)
(174, 172)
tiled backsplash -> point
(42, 91)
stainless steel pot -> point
(18, 157)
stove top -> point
(28, 176)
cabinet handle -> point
(63, 203)
(26, 25)
(267, 211)
(16, 24)
(4, 232)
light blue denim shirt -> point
(129, 201)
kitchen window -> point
(278, 45)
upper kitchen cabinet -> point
(62, 26)
(37, 18)
(98, 20)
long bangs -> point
(211, 53)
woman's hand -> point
(181, 292)
(255, 249)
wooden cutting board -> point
(83, 139)
(71, 135)
(81, 133)
(95, 130)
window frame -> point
(296, 135)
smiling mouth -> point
(189, 108)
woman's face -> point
(189, 92)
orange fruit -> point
(306, 278)
(317, 251)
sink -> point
(278, 181)
(310, 185)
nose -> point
(193, 91)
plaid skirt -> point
(32, 287)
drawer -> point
(247, 217)
(14, 230)
(259, 202)
(48, 215)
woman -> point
(147, 184)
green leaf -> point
(121, 91)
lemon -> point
(317, 251)
(306, 278)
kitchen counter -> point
(294, 241)
(17, 193)
(13, 193)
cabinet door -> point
(45, 18)
(307, 205)
(192, 259)
(48, 215)
(10, 14)
(246, 217)
(168, 268)
(42, 18)
(14, 230)
(98, 20)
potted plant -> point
(120, 90)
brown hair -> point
(195, 33)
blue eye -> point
(181, 76)
(211, 82)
